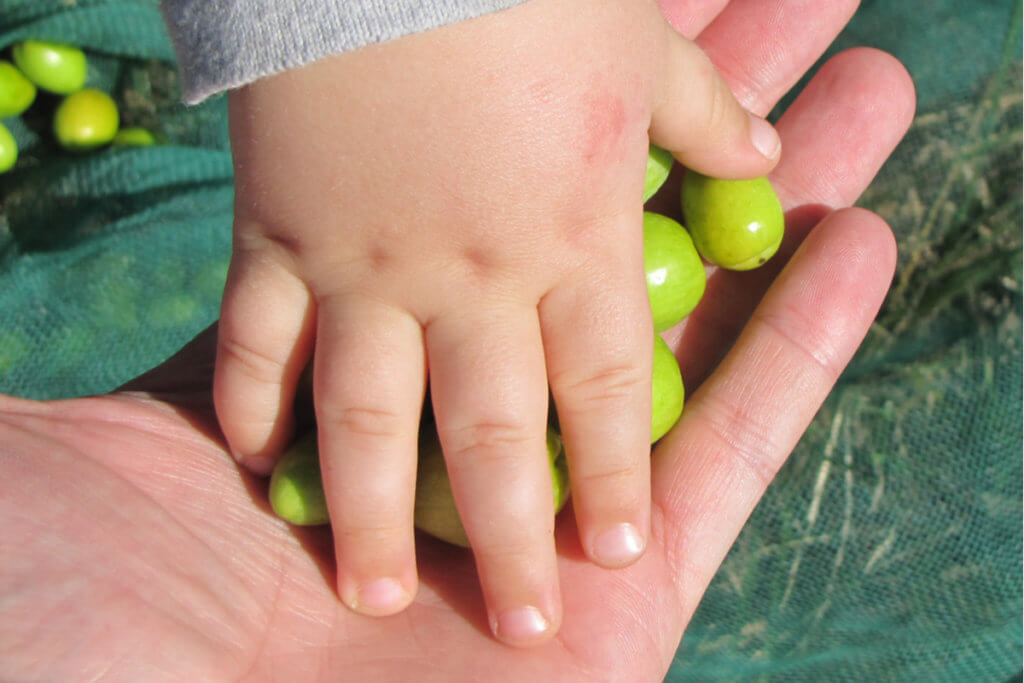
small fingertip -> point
(521, 626)
(377, 598)
(260, 456)
(764, 138)
(260, 465)
(619, 546)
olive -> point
(85, 120)
(735, 224)
(133, 137)
(16, 92)
(8, 149)
(296, 487)
(667, 392)
(659, 163)
(58, 68)
(675, 273)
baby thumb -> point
(697, 117)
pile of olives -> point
(733, 224)
(85, 119)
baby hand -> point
(465, 203)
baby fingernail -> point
(764, 137)
(520, 624)
(617, 546)
(379, 597)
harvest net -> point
(888, 548)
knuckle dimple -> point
(479, 261)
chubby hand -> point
(465, 204)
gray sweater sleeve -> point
(224, 44)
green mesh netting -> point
(109, 262)
(888, 548)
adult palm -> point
(134, 548)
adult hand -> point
(133, 546)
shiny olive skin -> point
(296, 488)
(735, 224)
(667, 392)
(85, 120)
(8, 149)
(133, 137)
(659, 164)
(675, 273)
(16, 92)
(57, 68)
(435, 512)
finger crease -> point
(615, 383)
(747, 442)
(820, 351)
(366, 422)
(261, 367)
(627, 473)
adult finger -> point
(712, 468)
(851, 117)
(790, 37)
(369, 380)
(838, 133)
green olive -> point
(735, 224)
(8, 149)
(16, 92)
(667, 392)
(675, 273)
(296, 489)
(85, 120)
(133, 137)
(435, 511)
(659, 163)
(58, 68)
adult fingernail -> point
(520, 625)
(764, 137)
(618, 546)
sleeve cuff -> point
(224, 44)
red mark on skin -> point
(603, 124)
